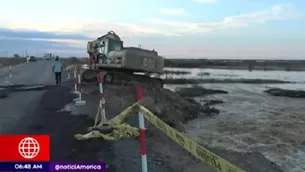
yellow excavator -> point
(122, 65)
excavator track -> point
(121, 78)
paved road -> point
(31, 73)
(19, 104)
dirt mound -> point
(172, 108)
(212, 102)
(196, 91)
(167, 105)
(286, 93)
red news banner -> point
(32, 153)
(24, 148)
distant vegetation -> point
(288, 65)
(182, 81)
(176, 72)
(6, 61)
(11, 61)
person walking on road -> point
(57, 69)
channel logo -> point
(24, 148)
(29, 148)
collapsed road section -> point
(164, 112)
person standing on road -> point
(57, 69)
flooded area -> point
(295, 76)
(251, 120)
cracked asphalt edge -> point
(5, 90)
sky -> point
(246, 29)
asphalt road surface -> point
(19, 104)
(39, 72)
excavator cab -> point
(110, 42)
(107, 43)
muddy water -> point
(235, 74)
(253, 121)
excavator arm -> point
(102, 45)
(93, 49)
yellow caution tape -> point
(194, 148)
(123, 115)
(120, 131)
(124, 131)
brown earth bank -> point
(285, 93)
(197, 91)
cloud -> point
(81, 29)
(276, 12)
(205, 1)
(18, 33)
(17, 40)
(125, 30)
(70, 37)
(37, 42)
(89, 28)
(172, 11)
(33, 47)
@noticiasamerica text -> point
(32, 153)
